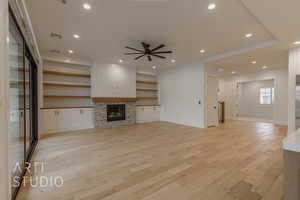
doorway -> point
(255, 100)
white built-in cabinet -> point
(147, 114)
(59, 120)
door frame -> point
(33, 102)
(206, 99)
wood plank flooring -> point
(163, 161)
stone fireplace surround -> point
(101, 113)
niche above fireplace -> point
(116, 112)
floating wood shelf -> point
(139, 98)
(146, 82)
(119, 99)
(66, 73)
(147, 105)
(146, 89)
(66, 107)
(145, 74)
(66, 84)
(61, 97)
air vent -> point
(56, 35)
(55, 51)
(62, 1)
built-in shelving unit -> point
(147, 89)
(66, 85)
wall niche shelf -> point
(54, 108)
(147, 89)
(66, 85)
(66, 73)
(146, 82)
(60, 97)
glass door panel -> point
(28, 86)
(16, 97)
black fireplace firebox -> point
(115, 112)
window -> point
(266, 95)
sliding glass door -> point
(17, 103)
(23, 105)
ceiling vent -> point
(56, 35)
(55, 51)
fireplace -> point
(115, 112)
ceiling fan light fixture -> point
(148, 52)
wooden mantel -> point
(117, 99)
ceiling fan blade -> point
(146, 46)
(159, 47)
(158, 56)
(158, 52)
(149, 58)
(134, 49)
(139, 57)
(132, 53)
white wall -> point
(249, 100)
(113, 80)
(294, 69)
(228, 92)
(4, 103)
(181, 89)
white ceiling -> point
(281, 18)
(184, 26)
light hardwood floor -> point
(163, 161)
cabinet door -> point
(149, 114)
(49, 121)
(86, 118)
(156, 113)
(68, 119)
(140, 114)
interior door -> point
(212, 101)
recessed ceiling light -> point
(120, 61)
(264, 67)
(202, 51)
(211, 6)
(86, 6)
(76, 36)
(253, 62)
(233, 72)
(173, 61)
(221, 70)
(249, 35)
(297, 42)
(70, 51)
(154, 67)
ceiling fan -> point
(148, 52)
